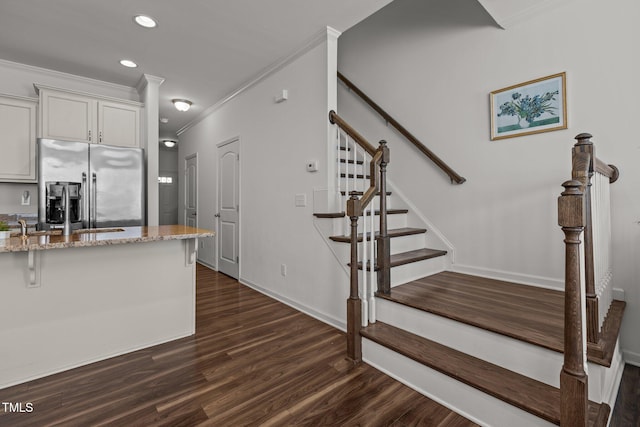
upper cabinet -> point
(75, 116)
(18, 142)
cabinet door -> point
(118, 124)
(18, 141)
(67, 116)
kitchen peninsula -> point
(72, 300)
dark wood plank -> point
(627, 410)
(252, 361)
(367, 213)
(396, 232)
(408, 257)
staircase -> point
(491, 350)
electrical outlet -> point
(26, 198)
(283, 269)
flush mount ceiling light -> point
(128, 63)
(169, 143)
(145, 21)
(181, 104)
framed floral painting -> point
(531, 107)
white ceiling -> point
(204, 49)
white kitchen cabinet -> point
(74, 116)
(18, 141)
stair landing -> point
(527, 313)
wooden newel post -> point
(384, 245)
(354, 305)
(573, 379)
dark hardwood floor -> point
(627, 409)
(252, 361)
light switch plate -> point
(301, 200)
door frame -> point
(184, 188)
(217, 199)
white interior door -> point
(168, 193)
(191, 191)
(229, 208)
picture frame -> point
(531, 107)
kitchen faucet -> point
(23, 228)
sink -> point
(58, 232)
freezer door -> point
(117, 186)
(62, 161)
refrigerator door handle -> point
(84, 215)
(94, 204)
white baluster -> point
(341, 202)
(365, 284)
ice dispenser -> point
(56, 208)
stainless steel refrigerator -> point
(105, 185)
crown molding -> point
(326, 34)
(147, 79)
(60, 74)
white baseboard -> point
(631, 358)
(206, 264)
(525, 279)
(332, 321)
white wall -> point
(432, 63)
(276, 141)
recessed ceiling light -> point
(169, 143)
(181, 104)
(145, 21)
(164, 120)
(128, 63)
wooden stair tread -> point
(416, 255)
(525, 393)
(342, 214)
(396, 232)
(527, 313)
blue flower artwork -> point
(530, 107)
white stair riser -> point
(461, 398)
(375, 202)
(526, 359)
(408, 272)
(393, 221)
(407, 243)
(398, 244)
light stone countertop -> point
(98, 237)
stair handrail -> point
(453, 175)
(585, 169)
(354, 209)
(580, 215)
